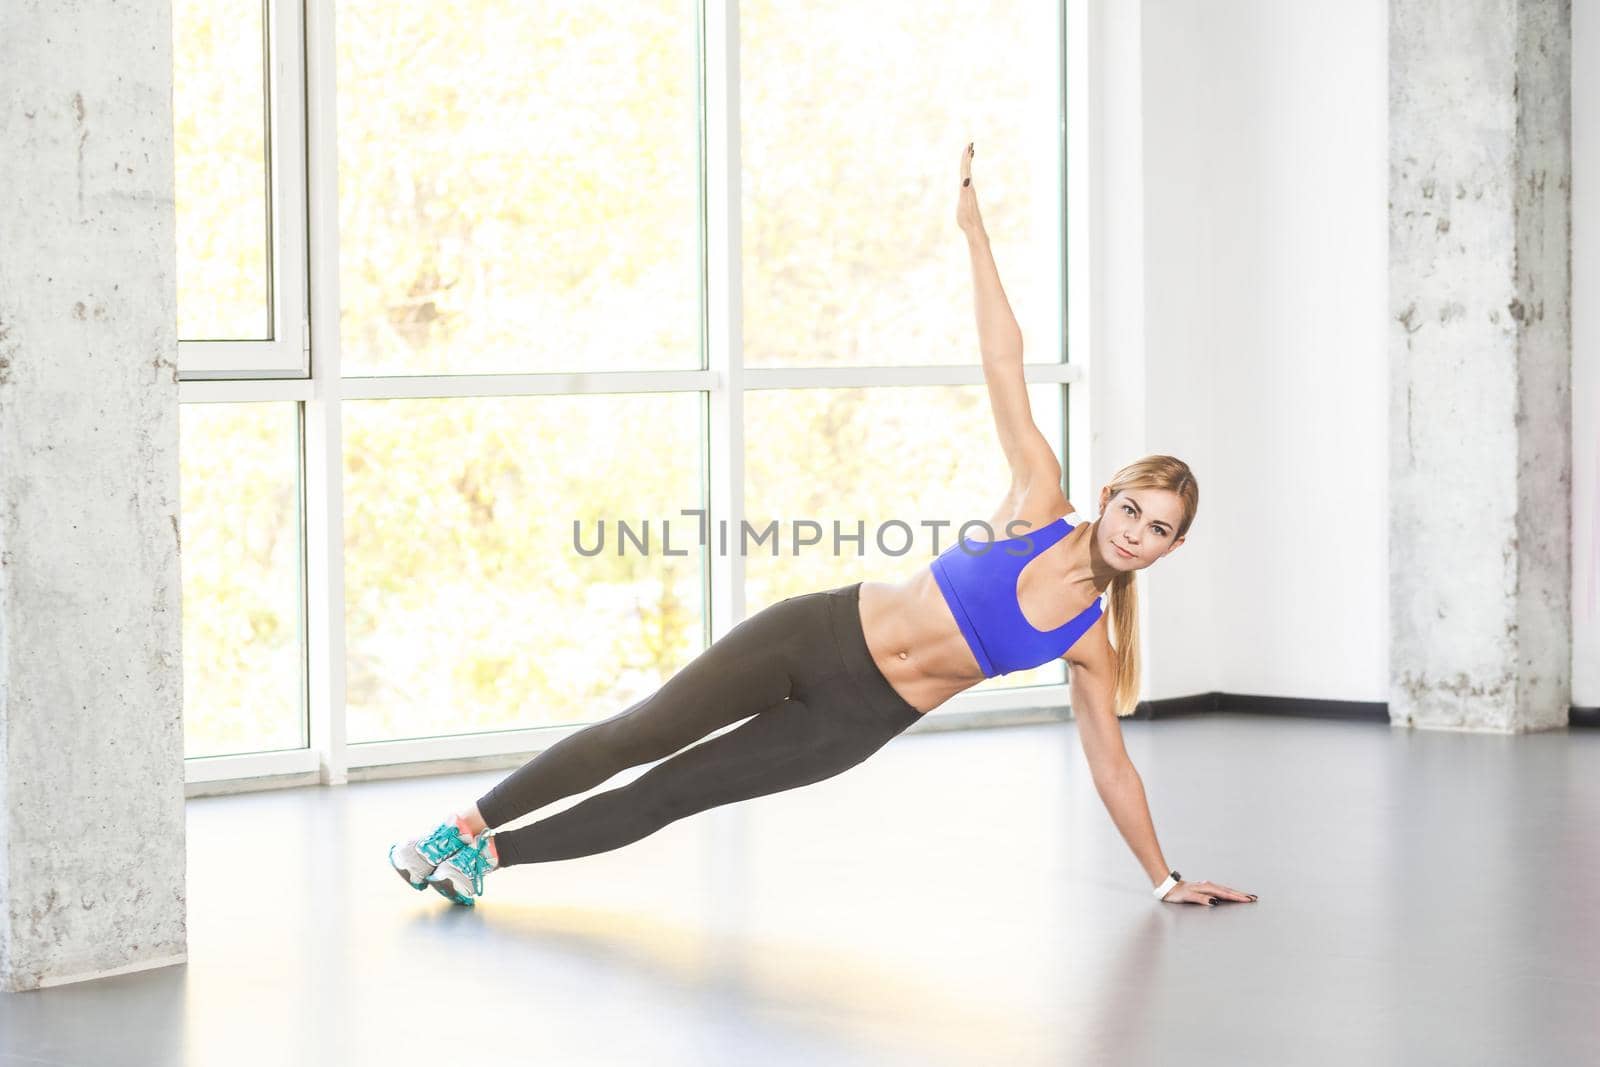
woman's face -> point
(1138, 527)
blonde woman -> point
(827, 678)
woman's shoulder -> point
(1092, 651)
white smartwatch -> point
(1173, 878)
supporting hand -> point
(1208, 893)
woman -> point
(826, 679)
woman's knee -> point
(639, 737)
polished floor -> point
(960, 898)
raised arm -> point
(1026, 448)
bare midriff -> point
(915, 641)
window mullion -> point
(725, 311)
(324, 479)
(1076, 161)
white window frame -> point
(286, 353)
(306, 234)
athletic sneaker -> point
(418, 858)
(460, 878)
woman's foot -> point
(459, 878)
(419, 857)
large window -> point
(853, 119)
(517, 186)
(219, 96)
(469, 606)
(464, 289)
(243, 649)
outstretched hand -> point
(1207, 893)
(967, 216)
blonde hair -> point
(1151, 472)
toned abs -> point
(916, 642)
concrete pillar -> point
(91, 731)
(1480, 422)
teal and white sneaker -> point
(459, 878)
(419, 857)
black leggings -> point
(800, 667)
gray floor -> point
(961, 897)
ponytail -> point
(1124, 603)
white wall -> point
(1262, 146)
(1239, 213)
(1115, 282)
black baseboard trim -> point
(1173, 707)
(1305, 708)
(1293, 707)
(1300, 708)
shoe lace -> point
(445, 839)
(472, 862)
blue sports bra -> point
(980, 585)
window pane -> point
(219, 105)
(851, 159)
(873, 456)
(468, 608)
(518, 186)
(243, 639)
